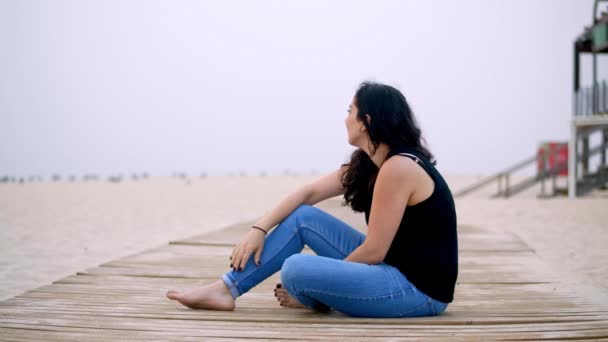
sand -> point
(50, 230)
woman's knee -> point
(302, 214)
(304, 211)
(296, 269)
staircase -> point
(589, 182)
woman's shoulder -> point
(412, 152)
(408, 173)
(399, 168)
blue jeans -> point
(325, 280)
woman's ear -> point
(369, 120)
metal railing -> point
(506, 189)
(591, 100)
(500, 177)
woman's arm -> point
(325, 187)
(395, 184)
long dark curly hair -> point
(392, 123)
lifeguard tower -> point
(590, 111)
(584, 166)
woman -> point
(407, 264)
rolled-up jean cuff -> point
(234, 291)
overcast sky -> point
(227, 86)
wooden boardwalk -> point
(504, 292)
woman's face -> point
(354, 128)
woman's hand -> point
(253, 242)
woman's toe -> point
(173, 295)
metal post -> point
(588, 101)
(576, 60)
(577, 104)
(554, 182)
(604, 146)
(585, 155)
(572, 161)
(507, 185)
(542, 184)
(594, 57)
(499, 185)
(596, 97)
(541, 171)
(602, 108)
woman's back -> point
(425, 247)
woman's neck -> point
(379, 155)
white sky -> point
(227, 86)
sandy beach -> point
(50, 230)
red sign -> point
(553, 156)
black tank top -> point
(425, 247)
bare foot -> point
(285, 299)
(214, 296)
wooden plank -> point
(264, 297)
(287, 330)
(86, 320)
(185, 328)
(265, 315)
(208, 272)
(152, 322)
(504, 292)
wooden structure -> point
(590, 116)
(590, 111)
(508, 188)
(504, 292)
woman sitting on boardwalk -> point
(407, 264)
